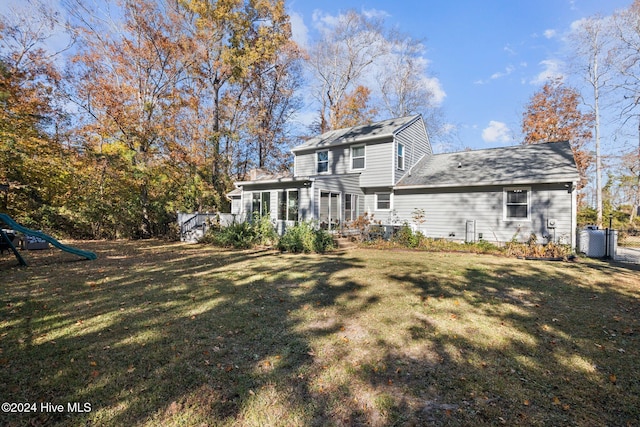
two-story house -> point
(387, 169)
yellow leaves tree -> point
(355, 109)
(32, 158)
(553, 115)
(129, 82)
(231, 40)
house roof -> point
(383, 129)
(517, 165)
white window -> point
(517, 203)
(400, 156)
(261, 202)
(322, 161)
(383, 201)
(350, 207)
(288, 205)
(357, 157)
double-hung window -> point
(400, 156)
(517, 203)
(357, 157)
(383, 201)
(322, 160)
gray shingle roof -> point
(522, 164)
(386, 128)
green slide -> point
(17, 227)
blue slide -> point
(15, 226)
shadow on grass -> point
(539, 346)
(154, 334)
(146, 335)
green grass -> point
(156, 333)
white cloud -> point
(325, 22)
(434, 87)
(549, 34)
(580, 23)
(299, 31)
(551, 70)
(508, 70)
(496, 132)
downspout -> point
(574, 214)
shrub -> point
(264, 230)
(532, 249)
(243, 235)
(323, 241)
(239, 235)
(304, 237)
(407, 237)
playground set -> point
(7, 237)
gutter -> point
(482, 184)
(274, 181)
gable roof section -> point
(363, 133)
(523, 164)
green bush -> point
(243, 235)
(407, 237)
(304, 237)
(264, 230)
(323, 241)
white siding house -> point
(388, 170)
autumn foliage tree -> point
(33, 159)
(553, 114)
(355, 108)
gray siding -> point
(346, 184)
(385, 216)
(379, 165)
(378, 169)
(339, 162)
(416, 145)
(448, 210)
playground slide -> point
(17, 227)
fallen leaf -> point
(613, 378)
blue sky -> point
(485, 58)
(489, 56)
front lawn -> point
(155, 333)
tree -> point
(230, 40)
(339, 61)
(355, 109)
(32, 120)
(592, 44)
(129, 79)
(270, 102)
(626, 57)
(553, 115)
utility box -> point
(470, 231)
(598, 243)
